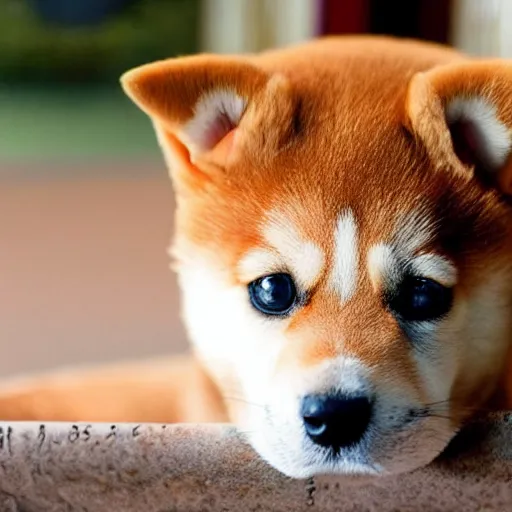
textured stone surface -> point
(65, 467)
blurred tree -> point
(40, 41)
(78, 12)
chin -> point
(380, 454)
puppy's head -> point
(343, 242)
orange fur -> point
(303, 134)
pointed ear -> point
(462, 113)
(206, 109)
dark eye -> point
(419, 299)
(274, 294)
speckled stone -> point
(58, 467)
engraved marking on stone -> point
(41, 436)
(9, 435)
(74, 434)
(113, 432)
(86, 434)
(310, 490)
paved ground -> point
(83, 266)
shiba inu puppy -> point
(343, 241)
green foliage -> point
(31, 50)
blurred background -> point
(85, 205)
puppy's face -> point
(345, 268)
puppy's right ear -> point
(206, 109)
(462, 114)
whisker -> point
(440, 402)
(246, 432)
(441, 416)
(243, 400)
(428, 413)
(451, 403)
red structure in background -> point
(422, 19)
(345, 17)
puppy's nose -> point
(336, 421)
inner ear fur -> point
(462, 114)
(169, 90)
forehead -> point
(344, 256)
(351, 154)
(392, 193)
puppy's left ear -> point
(462, 114)
(211, 112)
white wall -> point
(236, 26)
(483, 27)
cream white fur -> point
(385, 267)
(215, 114)
(382, 266)
(303, 257)
(436, 267)
(345, 267)
(493, 136)
(257, 263)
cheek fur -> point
(484, 337)
(236, 342)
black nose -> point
(336, 421)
